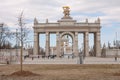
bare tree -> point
(116, 44)
(22, 36)
(4, 34)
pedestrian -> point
(32, 58)
(115, 58)
(38, 57)
(7, 61)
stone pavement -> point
(50, 61)
(87, 60)
(98, 60)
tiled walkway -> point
(87, 60)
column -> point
(76, 44)
(86, 44)
(97, 46)
(36, 44)
(47, 44)
(58, 44)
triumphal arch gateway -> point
(67, 26)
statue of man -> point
(66, 11)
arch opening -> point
(67, 42)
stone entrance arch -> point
(74, 41)
(66, 25)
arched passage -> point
(72, 35)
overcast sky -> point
(107, 10)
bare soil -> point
(61, 72)
(23, 73)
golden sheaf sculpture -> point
(66, 11)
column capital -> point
(47, 32)
(35, 33)
(57, 33)
(76, 36)
(76, 32)
(86, 32)
(98, 33)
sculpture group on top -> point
(66, 11)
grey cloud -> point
(53, 8)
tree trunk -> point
(21, 61)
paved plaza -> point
(87, 60)
(96, 60)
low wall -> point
(11, 55)
(112, 52)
